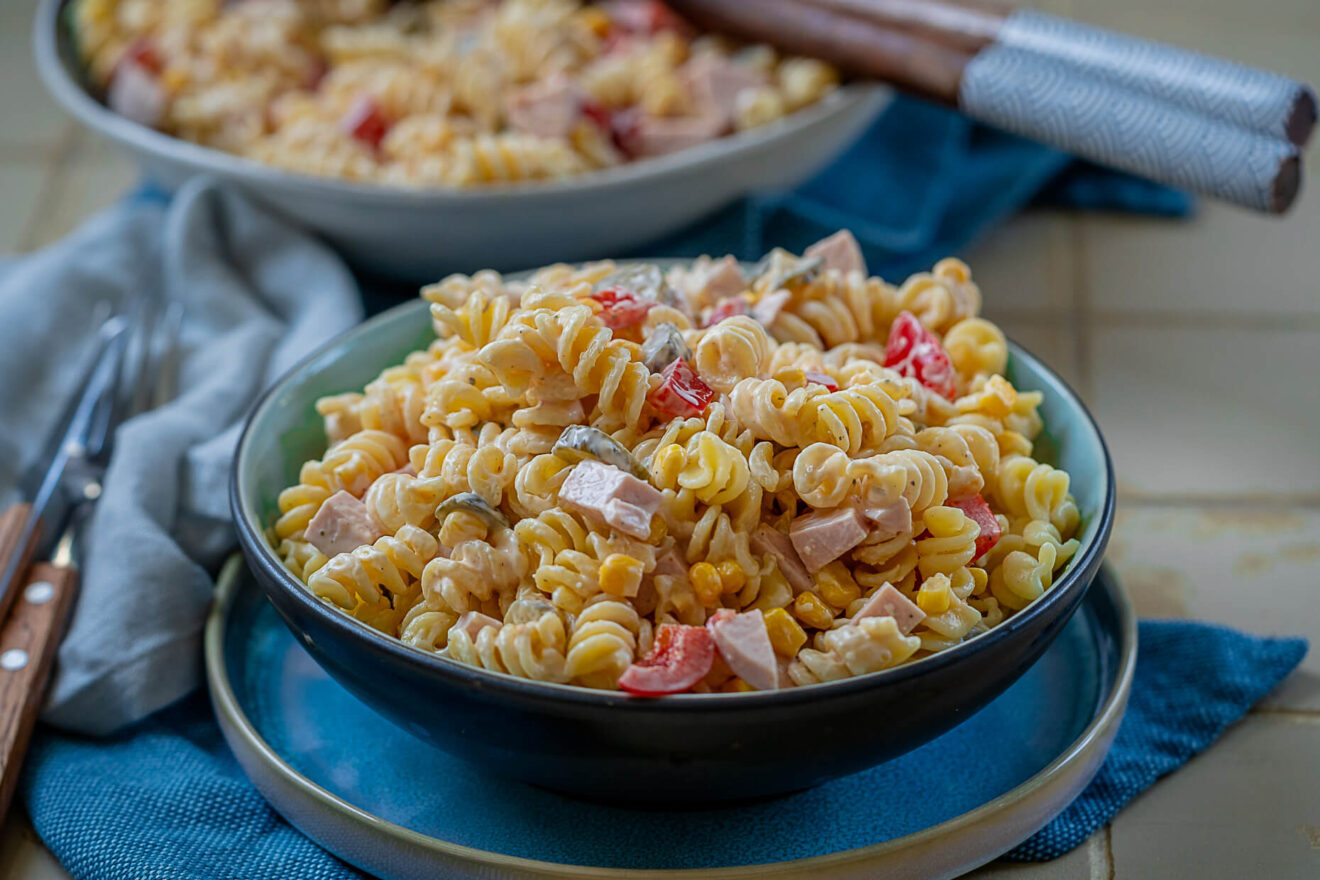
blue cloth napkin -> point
(921, 184)
(167, 799)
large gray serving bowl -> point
(422, 234)
(683, 749)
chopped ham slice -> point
(545, 109)
(342, 524)
(775, 543)
(891, 520)
(744, 644)
(824, 536)
(723, 279)
(839, 251)
(889, 602)
(658, 135)
(767, 309)
(608, 494)
(715, 82)
(135, 93)
(471, 623)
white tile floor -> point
(1197, 344)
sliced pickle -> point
(580, 442)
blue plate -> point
(385, 801)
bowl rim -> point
(1098, 733)
(70, 93)
(261, 555)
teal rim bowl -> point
(729, 743)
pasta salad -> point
(443, 92)
(701, 479)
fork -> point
(131, 372)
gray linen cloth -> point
(259, 295)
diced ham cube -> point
(839, 251)
(889, 602)
(723, 279)
(744, 644)
(726, 309)
(657, 135)
(547, 109)
(891, 520)
(342, 524)
(767, 309)
(135, 93)
(607, 494)
(769, 540)
(824, 536)
(715, 82)
(470, 623)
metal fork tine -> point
(167, 362)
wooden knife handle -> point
(28, 639)
(12, 523)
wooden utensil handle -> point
(13, 522)
(28, 639)
(853, 44)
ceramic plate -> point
(384, 801)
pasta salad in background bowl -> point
(413, 134)
(654, 521)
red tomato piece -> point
(142, 53)
(680, 657)
(621, 308)
(980, 513)
(681, 392)
(734, 305)
(915, 351)
(819, 378)
(365, 121)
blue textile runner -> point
(167, 799)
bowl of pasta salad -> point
(676, 530)
(415, 136)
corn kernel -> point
(620, 575)
(935, 595)
(786, 636)
(706, 583)
(809, 609)
(836, 585)
(732, 577)
(596, 21)
(736, 685)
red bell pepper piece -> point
(365, 121)
(621, 307)
(734, 305)
(681, 392)
(916, 352)
(680, 657)
(980, 513)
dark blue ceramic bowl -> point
(691, 749)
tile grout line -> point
(60, 163)
(1244, 500)
(1081, 307)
